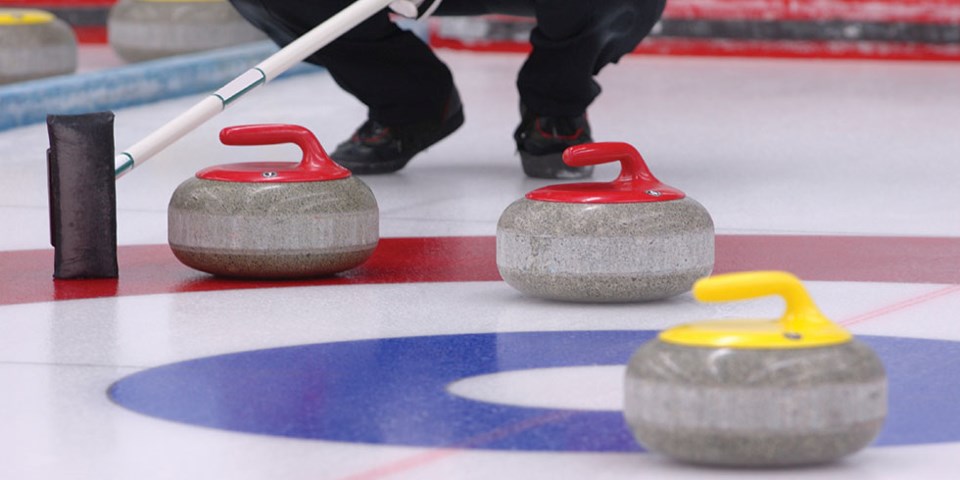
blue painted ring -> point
(393, 391)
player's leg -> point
(409, 92)
(572, 42)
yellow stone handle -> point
(801, 316)
(10, 17)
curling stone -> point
(273, 220)
(632, 239)
(148, 29)
(34, 44)
(756, 393)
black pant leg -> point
(572, 41)
(522, 8)
(401, 81)
(394, 73)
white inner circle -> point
(566, 388)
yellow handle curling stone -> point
(34, 44)
(758, 393)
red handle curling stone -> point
(273, 220)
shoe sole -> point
(378, 168)
(551, 166)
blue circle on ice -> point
(393, 391)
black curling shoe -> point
(375, 148)
(541, 141)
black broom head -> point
(83, 199)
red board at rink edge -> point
(879, 11)
(911, 11)
(907, 11)
(26, 276)
(91, 34)
(748, 48)
(55, 4)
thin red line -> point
(901, 305)
(434, 455)
(409, 463)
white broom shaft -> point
(320, 36)
(265, 71)
(162, 137)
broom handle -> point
(265, 71)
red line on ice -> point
(26, 276)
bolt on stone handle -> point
(633, 169)
(314, 156)
(801, 315)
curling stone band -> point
(34, 44)
(755, 415)
(634, 239)
(535, 242)
(726, 393)
(274, 220)
(291, 240)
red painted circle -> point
(26, 275)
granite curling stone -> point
(752, 393)
(632, 239)
(34, 44)
(142, 30)
(273, 220)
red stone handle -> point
(314, 156)
(633, 169)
